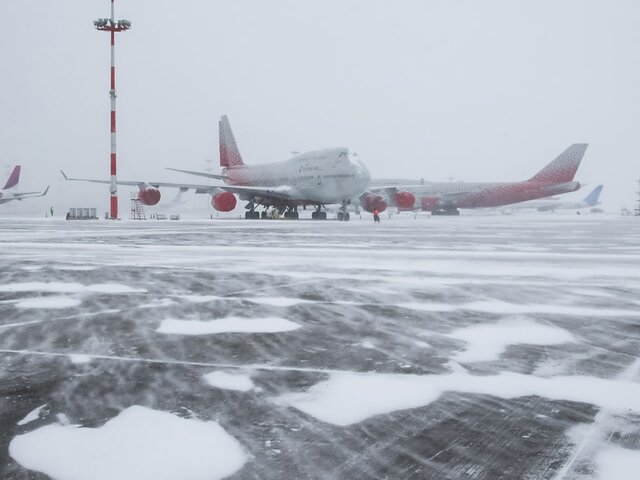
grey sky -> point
(474, 90)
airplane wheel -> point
(295, 215)
(322, 215)
(314, 215)
(346, 216)
(263, 215)
(340, 216)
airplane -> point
(445, 198)
(551, 204)
(315, 178)
(14, 178)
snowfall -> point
(471, 347)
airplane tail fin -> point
(563, 168)
(229, 154)
(14, 178)
(592, 198)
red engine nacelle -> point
(371, 202)
(429, 204)
(404, 200)
(149, 196)
(224, 201)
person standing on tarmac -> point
(376, 216)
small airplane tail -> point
(229, 154)
(592, 199)
(563, 168)
(14, 178)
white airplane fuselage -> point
(318, 177)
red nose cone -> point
(224, 201)
(405, 200)
(429, 204)
(371, 202)
(149, 196)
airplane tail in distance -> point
(229, 154)
(14, 178)
(563, 168)
(592, 198)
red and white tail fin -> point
(563, 168)
(229, 154)
(14, 178)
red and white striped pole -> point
(110, 25)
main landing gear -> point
(343, 214)
(252, 213)
(319, 214)
(291, 213)
(446, 211)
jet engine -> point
(224, 201)
(371, 202)
(404, 200)
(149, 196)
(429, 204)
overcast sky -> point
(470, 90)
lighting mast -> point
(110, 25)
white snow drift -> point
(229, 381)
(139, 443)
(488, 342)
(227, 325)
(347, 398)
(60, 287)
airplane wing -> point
(201, 174)
(20, 196)
(283, 192)
(275, 193)
(131, 183)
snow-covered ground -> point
(476, 347)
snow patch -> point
(227, 325)
(139, 443)
(32, 415)
(500, 307)
(204, 298)
(347, 398)
(229, 381)
(277, 301)
(48, 302)
(615, 463)
(488, 342)
(79, 358)
(60, 287)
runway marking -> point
(112, 310)
(178, 362)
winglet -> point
(45, 191)
(64, 175)
(229, 154)
(563, 168)
(14, 178)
